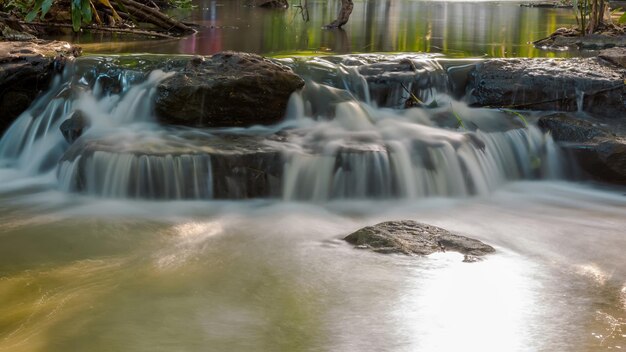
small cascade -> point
(116, 175)
(398, 159)
(33, 144)
(349, 134)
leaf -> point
(107, 3)
(31, 15)
(76, 15)
(622, 18)
(85, 9)
(45, 7)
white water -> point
(336, 146)
(82, 267)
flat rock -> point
(414, 238)
(549, 84)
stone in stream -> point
(597, 145)
(228, 89)
(73, 127)
(26, 70)
(411, 237)
(549, 84)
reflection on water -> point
(93, 275)
(457, 29)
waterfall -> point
(347, 135)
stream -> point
(137, 237)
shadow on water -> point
(456, 29)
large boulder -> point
(26, 69)
(411, 237)
(228, 89)
(598, 146)
(549, 84)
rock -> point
(603, 160)
(26, 69)
(568, 128)
(216, 167)
(563, 39)
(616, 56)
(73, 127)
(410, 237)
(228, 89)
(390, 81)
(9, 33)
(548, 84)
(598, 147)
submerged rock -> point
(599, 147)
(411, 237)
(228, 89)
(553, 84)
(26, 69)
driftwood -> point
(103, 29)
(150, 15)
(344, 14)
(122, 10)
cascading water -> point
(346, 135)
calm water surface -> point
(79, 274)
(456, 29)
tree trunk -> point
(344, 14)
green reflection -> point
(456, 29)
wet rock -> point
(616, 56)
(411, 237)
(598, 146)
(566, 127)
(391, 82)
(229, 89)
(73, 127)
(206, 167)
(552, 84)
(26, 69)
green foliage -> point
(622, 18)
(182, 4)
(32, 9)
(589, 14)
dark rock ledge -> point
(26, 70)
(597, 145)
(414, 238)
